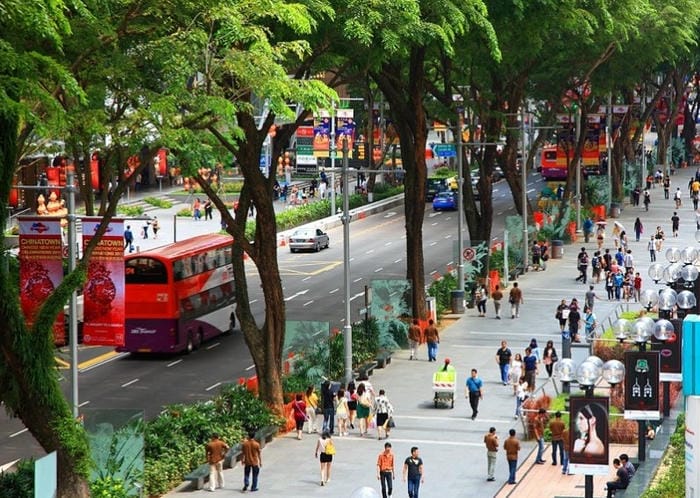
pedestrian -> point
(325, 449)
(512, 447)
(521, 394)
(562, 314)
(677, 197)
(491, 442)
(128, 239)
(481, 296)
(637, 287)
(383, 411)
(627, 465)
(609, 285)
(544, 256)
(311, 404)
(364, 404)
(385, 470)
(155, 224)
(516, 371)
(675, 223)
(414, 338)
(638, 228)
(582, 265)
(651, 247)
(538, 427)
(432, 337)
(503, 358)
(556, 428)
(342, 412)
(535, 349)
(251, 460)
(474, 391)
(659, 238)
(622, 478)
(618, 280)
(574, 321)
(600, 236)
(197, 209)
(144, 229)
(590, 297)
(536, 254)
(216, 452)
(413, 472)
(351, 394)
(497, 295)
(299, 411)
(328, 404)
(647, 199)
(590, 323)
(530, 364)
(566, 444)
(549, 357)
(597, 266)
(667, 186)
(515, 298)
(587, 229)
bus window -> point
(145, 271)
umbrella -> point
(618, 227)
(601, 223)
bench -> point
(198, 476)
(383, 358)
(364, 371)
(233, 455)
(515, 272)
(265, 435)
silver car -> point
(314, 239)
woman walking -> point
(384, 412)
(311, 403)
(638, 228)
(342, 412)
(481, 297)
(574, 321)
(521, 394)
(364, 403)
(352, 404)
(562, 314)
(549, 357)
(516, 371)
(299, 409)
(325, 449)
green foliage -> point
(118, 457)
(441, 290)
(496, 261)
(228, 187)
(108, 487)
(130, 211)
(184, 213)
(596, 190)
(158, 202)
(19, 484)
(249, 411)
(672, 482)
(443, 172)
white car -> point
(313, 239)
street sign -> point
(445, 150)
(469, 254)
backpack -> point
(330, 448)
(617, 279)
(595, 262)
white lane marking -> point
(433, 243)
(433, 272)
(253, 301)
(390, 214)
(250, 367)
(530, 190)
(18, 433)
(378, 270)
(214, 345)
(333, 291)
(307, 303)
(434, 223)
(499, 213)
(357, 280)
(448, 236)
(83, 404)
(108, 360)
(505, 332)
(173, 363)
(388, 244)
(130, 382)
(398, 260)
(359, 294)
(369, 252)
(305, 279)
(215, 386)
(300, 293)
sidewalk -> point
(451, 444)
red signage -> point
(40, 267)
(103, 322)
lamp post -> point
(588, 374)
(347, 327)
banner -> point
(588, 430)
(40, 267)
(642, 385)
(670, 354)
(591, 151)
(104, 290)
(322, 135)
(305, 144)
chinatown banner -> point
(588, 433)
(103, 294)
(642, 385)
(40, 267)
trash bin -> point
(457, 302)
(615, 209)
(557, 249)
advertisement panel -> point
(670, 354)
(642, 385)
(322, 134)
(40, 267)
(591, 149)
(588, 430)
(104, 290)
(305, 144)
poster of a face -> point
(589, 431)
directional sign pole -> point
(72, 303)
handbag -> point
(554, 357)
(390, 423)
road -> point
(312, 285)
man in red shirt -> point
(216, 452)
(385, 470)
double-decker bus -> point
(179, 295)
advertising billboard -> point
(642, 385)
(588, 430)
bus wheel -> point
(190, 343)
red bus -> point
(179, 295)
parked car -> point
(445, 201)
(313, 239)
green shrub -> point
(158, 202)
(185, 213)
(672, 482)
(108, 487)
(130, 211)
(19, 484)
(441, 290)
(236, 402)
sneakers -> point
(245, 488)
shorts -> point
(300, 424)
(382, 418)
(325, 458)
(352, 405)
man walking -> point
(590, 297)
(503, 358)
(566, 443)
(128, 239)
(327, 399)
(557, 427)
(414, 338)
(516, 299)
(512, 447)
(432, 337)
(497, 295)
(491, 442)
(252, 461)
(216, 452)
(413, 472)
(675, 223)
(538, 427)
(385, 470)
(473, 392)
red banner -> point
(103, 322)
(40, 267)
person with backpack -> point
(597, 266)
(535, 256)
(582, 260)
(647, 200)
(325, 449)
(128, 239)
(618, 279)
